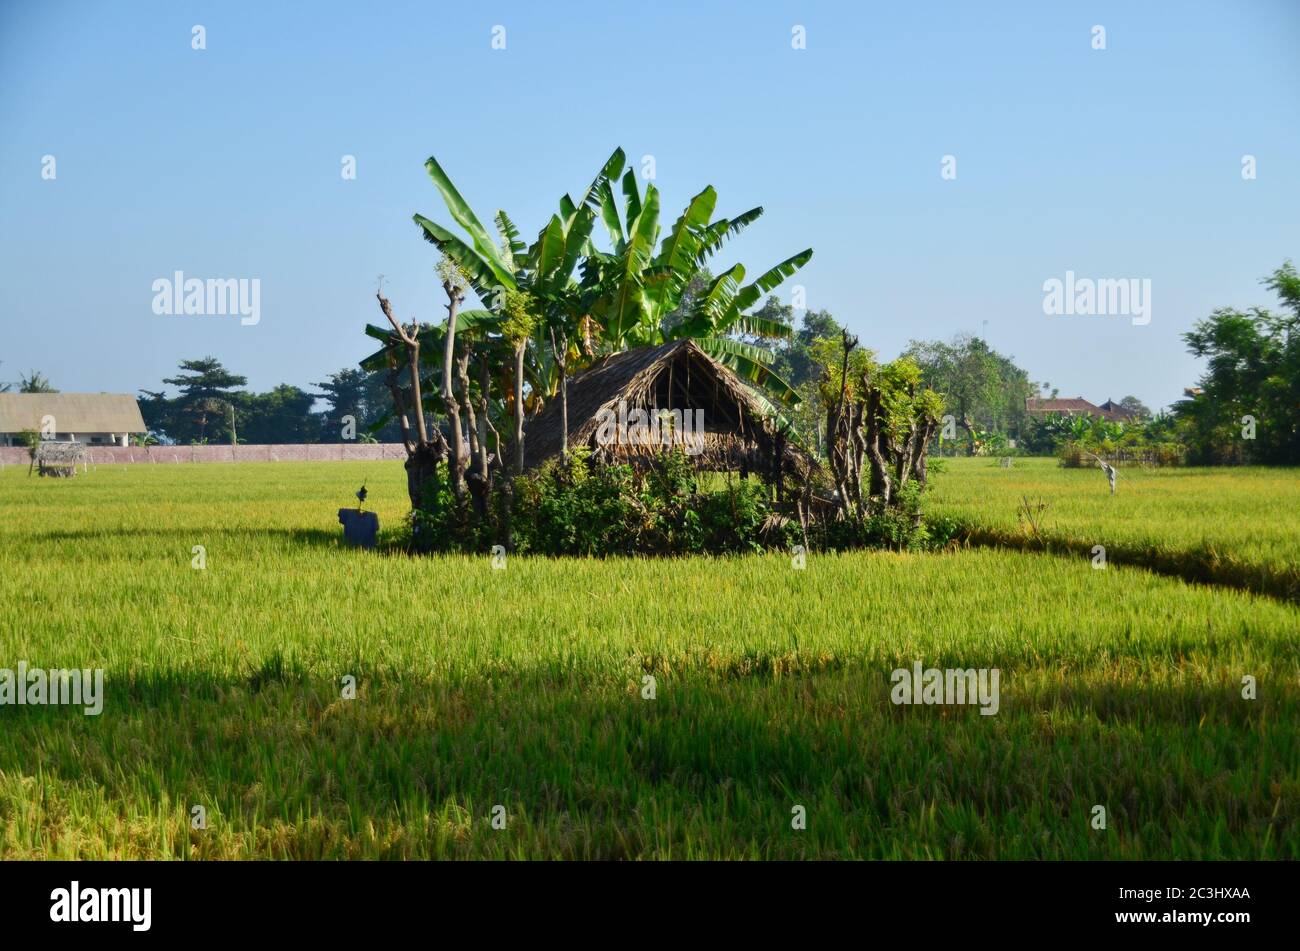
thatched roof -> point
(673, 376)
(50, 452)
(72, 412)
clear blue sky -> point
(226, 163)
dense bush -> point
(576, 507)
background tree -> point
(205, 387)
(983, 389)
(1135, 408)
(796, 361)
(1253, 369)
(34, 382)
(281, 415)
(379, 419)
(345, 393)
(209, 400)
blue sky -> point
(225, 162)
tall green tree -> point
(1249, 406)
(1135, 408)
(207, 390)
(983, 389)
(346, 393)
(280, 415)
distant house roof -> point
(1075, 406)
(1115, 410)
(72, 412)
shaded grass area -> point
(523, 688)
(712, 767)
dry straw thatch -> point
(59, 458)
(739, 431)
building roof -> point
(677, 374)
(1115, 410)
(72, 412)
(1076, 406)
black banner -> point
(1212, 902)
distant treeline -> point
(1245, 409)
(210, 401)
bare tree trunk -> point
(965, 422)
(412, 341)
(485, 384)
(564, 413)
(837, 455)
(906, 451)
(422, 455)
(922, 450)
(476, 479)
(923, 436)
(471, 417)
(421, 470)
(879, 468)
(399, 406)
(859, 445)
(841, 443)
(519, 406)
(449, 397)
(562, 360)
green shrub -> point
(574, 506)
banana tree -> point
(579, 302)
(634, 288)
(506, 275)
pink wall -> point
(360, 452)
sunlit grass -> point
(1232, 526)
(523, 688)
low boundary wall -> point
(315, 452)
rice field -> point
(505, 713)
(1237, 526)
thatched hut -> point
(631, 405)
(59, 458)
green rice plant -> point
(527, 687)
(1237, 526)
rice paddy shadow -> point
(288, 537)
(274, 745)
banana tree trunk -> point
(519, 406)
(485, 385)
(457, 466)
(564, 413)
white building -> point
(97, 419)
